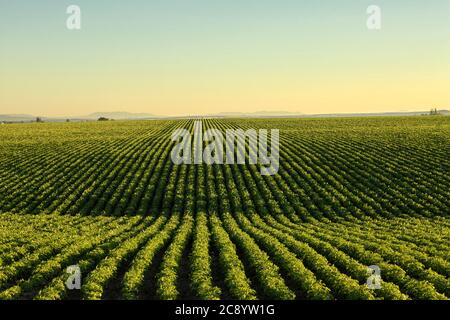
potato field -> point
(105, 196)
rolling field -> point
(349, 193)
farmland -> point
(349, 193)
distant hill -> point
(259, 114)
(120, 115)
(92, 116)
(16, 117)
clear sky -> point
(174, 57)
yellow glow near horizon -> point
(174, 60)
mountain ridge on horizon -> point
(122, 115)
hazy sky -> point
(204, 56)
